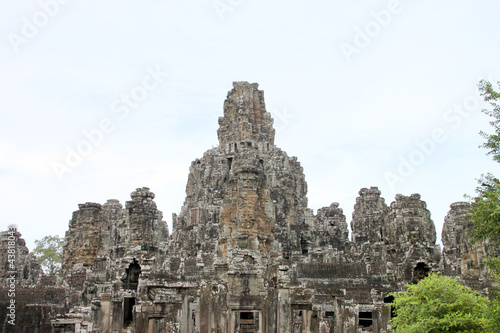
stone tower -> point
(462, 257)
(243, 216)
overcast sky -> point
(101, 97)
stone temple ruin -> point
(245, 253)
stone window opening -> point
(131, 276)
(389, 300)
(285, 251)
(304, 245)
(128, 307)
(249, 322)
(26, 273)
(229, 162)
(420, 272)
(330, 321)
(365, 319)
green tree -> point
(439, 304)
(485, 207)
(48, 252)
(492, 140)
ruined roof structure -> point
(245, 253)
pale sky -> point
(101, 97)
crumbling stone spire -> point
(84, 237)
(462, 256)
(145, 220)
(24, 266)
(368, 218)
(409, 221)
(245, 117)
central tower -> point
(244, 216)
(245, 117)
(247, 225)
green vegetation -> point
(439, 304)
(492, 140)
(48, 252)
(485, 207)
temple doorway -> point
(246, 322)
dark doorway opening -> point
(248, 322)
(420, 272)
(388, 300)
(128, 307)
(365, 319)
(131, 278)
(304, 245)
(330, 319)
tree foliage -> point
(492, 143)
(48, 252)
(486, 205)
(485, 209)
(439, 304)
